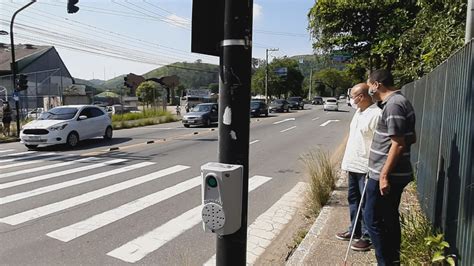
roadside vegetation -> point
(322, 176)
(421, 243)
(145, 118)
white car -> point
(67, 124)
(331, 104)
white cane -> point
(356, 219)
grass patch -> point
(421, 243)
(146, 118)
(322, 173)
(147, 113)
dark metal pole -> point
(14, 66)
(234, 115)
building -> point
(47, 75)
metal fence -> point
(443, 155)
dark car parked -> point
(317, 100)
(203, 114)
(258, 108)
(279, 105)
(296, 102)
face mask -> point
(353, 104)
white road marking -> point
(327, 122)
(26, 157)
(164, 128)
(259, 232)
(46, 189)
(253, 142)
(76, 230)
(56, 174)
(284, 120)
(2, 151)
(41, 168)
(17, 154)
(138, 248)
(284, 130)
(316, 118)
(71, 202)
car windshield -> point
(254, 104)
(58, 114)
(202, 108)
(331, 101)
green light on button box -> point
(211, 181)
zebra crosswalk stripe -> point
(46, 189)
(56, 174)
(27, 162)
(87, 197)
(16, 154)
(26, 157)
(138, 248)
(95, 222)
(46, 167)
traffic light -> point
(71, 6)
(22, 83)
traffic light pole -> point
(234, 116)
(14, 66)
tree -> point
(336, 80)
(148, 92)
(214, 87)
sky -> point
(108, 38)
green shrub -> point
(322, 174)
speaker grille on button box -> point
(213, 216)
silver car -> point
(331, 104)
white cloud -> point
(257, 11)
(178, 21)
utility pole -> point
(469, 21)
(266, 72)
(234, 119)
(14, 66)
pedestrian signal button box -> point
(221, 197)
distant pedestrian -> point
(390, 169)
(6, 118)
(178, 110)
(187, 107)
(356, 161)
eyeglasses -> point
(353, 97)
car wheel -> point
(72, 139)
(108, 133)
(266, 114)
(31, 147)
(186, 125)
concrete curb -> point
(298, 257)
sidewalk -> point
(320, 246)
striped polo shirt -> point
(398, 119)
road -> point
(126, 201)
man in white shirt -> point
(356, 160)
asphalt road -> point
(138, 204)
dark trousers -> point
(383, 221)
(354, 197)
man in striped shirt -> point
(390, 169)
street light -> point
(266, 72)
(13, 67)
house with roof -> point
(46, 72)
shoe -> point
(361, 245)
(346, 236)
